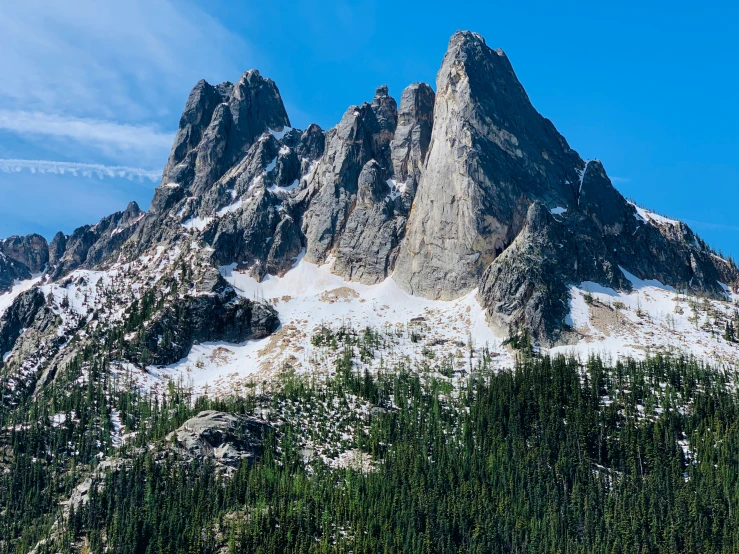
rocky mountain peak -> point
(465, 188)
(31, 250)
(386, 109)
(491, 154)
(219, 125)
(256, 106)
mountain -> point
(466, 198)
(305, 344)
(468, 189)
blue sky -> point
(649, 88)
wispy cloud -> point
(619, 179)
(108, 75)
(78, 169)
(110, 59)
(713, 226)
(106, 136)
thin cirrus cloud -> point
(103, 82)
(78, 169)
(107, 137)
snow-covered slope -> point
(652, 318)
(6, 299)
(309, 297)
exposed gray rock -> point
(412, 137)
(256, 107)
(312, 143)
(225, 438)
(285, 247)
(368, 244)
(89, 246)
(527, 285)
(211, 152)
(216, 130)
(30, 250)
(213, 312)
(491, 155)
(57, 246)
(331, 193)
(195, 119)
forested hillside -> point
(555, 456)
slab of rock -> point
(225, 438)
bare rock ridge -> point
(491, 155)
(466, 188)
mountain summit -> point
(466, 196)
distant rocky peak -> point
(31, 250)
(386, 109)
(413, 133)
(256, 106)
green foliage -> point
(554, 456)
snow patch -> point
(559, 210)
(197, 222)
(7, 298)
(650, 217)
(279, 134)
(396, 190)
(651, 318)
(581, 174)
(731, 295)
(270, 166)
(309, 296)
(233, 207)
(289, 188)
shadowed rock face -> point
(10, 272)
(31, 250)
(213, 313)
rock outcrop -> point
(32, 251)
(18, 317)
(91, 245)
(225, 438)
(212, 312)
(11, 271)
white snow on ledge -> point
(730, 294)
(6, 298)
(198, 223)
(650, 217)
(279, 134)
(289, 188)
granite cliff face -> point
(468, 188)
